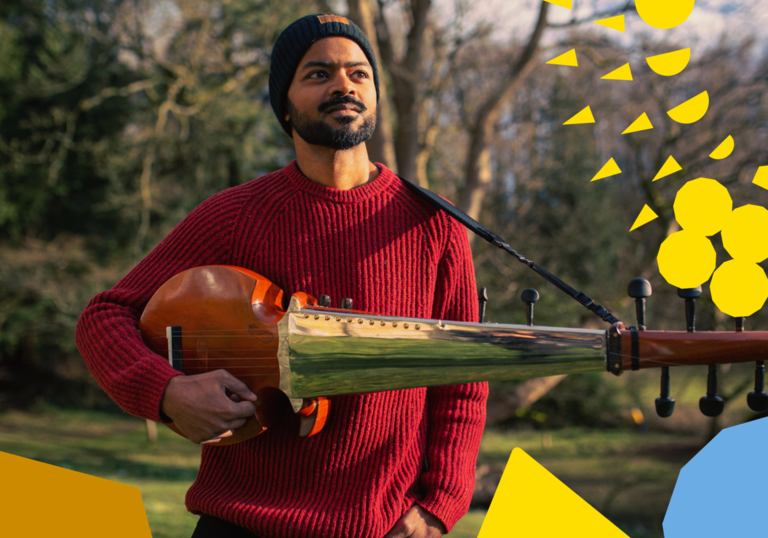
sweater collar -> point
(351, 196)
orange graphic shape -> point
(37, 499)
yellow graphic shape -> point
(640, 124)
(609, 169)
(761, 177)
(745, 234)
(562, 3)
(569, 59)
(38, 499)
(703, 206)
(646, 215)
(686, 259)
(585, 116)
(671, 63)
(669, 168)
(724, 149)
(692, 110)
(531, 502)
(739, 288)
(664, 14)
(614, 23)
(622, 73)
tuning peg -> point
(757, 400)
(690, 295)
(639, 289)
(529, 297)
(324, 300)
(482, 300)
(665, 405)
(711, 405)
(346, 303)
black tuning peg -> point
(711, 405)
(482, 300)
(529, 297)
(324, 300)
(757, 400)
(346, 303)
(665, 405)
(690, 295)
(639, 289)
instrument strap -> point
(494, 239)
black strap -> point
(494, 239)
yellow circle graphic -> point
(686, 259)
(703, 205)
(739, 288)
(664, 14)
(745, 234)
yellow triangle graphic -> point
(646, 215)
(614, 23)
(562, 3)
(531, 502)
(640, 124)
(669, 168)
(569, 59)
(585, 116)
(609, 169)
(761, 177)
(622, 73)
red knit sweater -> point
(379, 453)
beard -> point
(319, 133)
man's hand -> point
(201, 408)
(417, 523)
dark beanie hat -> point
(293, 43)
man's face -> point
(332, 98)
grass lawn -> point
(627, 475)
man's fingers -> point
(240, 410)
(237, 387)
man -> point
(395, 463)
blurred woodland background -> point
(118, 117)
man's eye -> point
(317, 74)
(363, 73)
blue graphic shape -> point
(722, 490)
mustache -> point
(341, 100)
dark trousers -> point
(212, 527)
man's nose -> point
(342, 84)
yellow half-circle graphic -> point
(724, 149)
(664, 14)
(671, 63)
(692, 110)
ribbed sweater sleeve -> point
(107, 332)
(456, 412)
